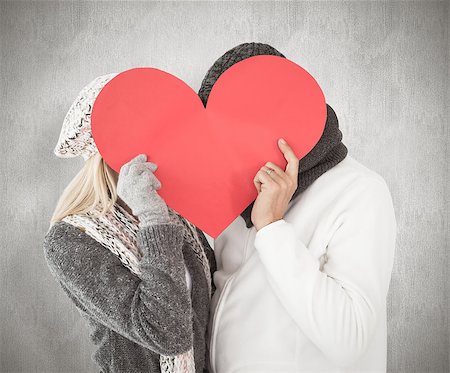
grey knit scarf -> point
(327, 153)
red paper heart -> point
(207, 158)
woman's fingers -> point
(151, 166)
(139, 166)
(150, 178)
(139, 159)
(136, 160)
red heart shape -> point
(207, 158)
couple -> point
(301, 277)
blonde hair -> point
(94, 185)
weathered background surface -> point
(384, 68)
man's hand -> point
(275, 189)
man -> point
(303, 273)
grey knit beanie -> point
(327, 153)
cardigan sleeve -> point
(152, 309)
(336, 308)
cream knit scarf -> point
(117, 231)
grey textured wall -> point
(384, 67)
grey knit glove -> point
(137, 186)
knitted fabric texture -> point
(75, 138)
(117, 231)
(327, 153)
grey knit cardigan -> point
(135, 319)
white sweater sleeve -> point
(337, 309)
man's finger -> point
(279, 171)
(291, 158)
(264, 178)
(275, 176)
(257, 185)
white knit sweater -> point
(308, 293)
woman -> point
(137, 271)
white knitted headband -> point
(76, 138)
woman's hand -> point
(137, 186)
(275, 189)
